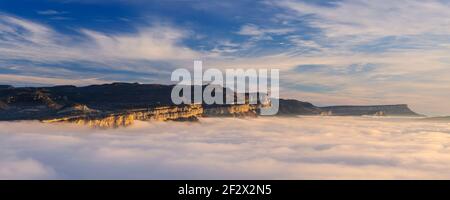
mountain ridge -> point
(120, 103)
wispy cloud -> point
(406, 40)
(28, 80)
(155, 43)
(31, 42)
(51, 12)
(36, 41)
(263, 33)
(376, 18)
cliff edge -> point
(109, 105)
(119, 104)
(376, 110)
(295, 107)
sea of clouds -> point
(217, 148)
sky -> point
(329, 51)
(229, 148)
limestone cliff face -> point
(164, 113)
(127, 118)
(112, 121)
(243, 110)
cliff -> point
(294, 107)
(376, 110)
(120, 104)
(165, 113)
(244, 110)
(114, 120)
(108, 105)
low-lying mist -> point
(218, 148)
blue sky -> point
(329, 52)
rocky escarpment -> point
(376, 110)
(243, 110)
(165, 113)
(109, 105)
(114, 120)
(120, 104)
(294, 107)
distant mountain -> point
(295, 107)
(117, 104)
(379, 110)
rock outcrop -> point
(120, 104)
(109, 105)
(78, 108)
(243, 110)
(294, 107)
(376, 110)
(114, 120)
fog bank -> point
(262, 148)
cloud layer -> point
(263, 148)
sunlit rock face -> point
(166, 113)
(176, 113)
(107, 122)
